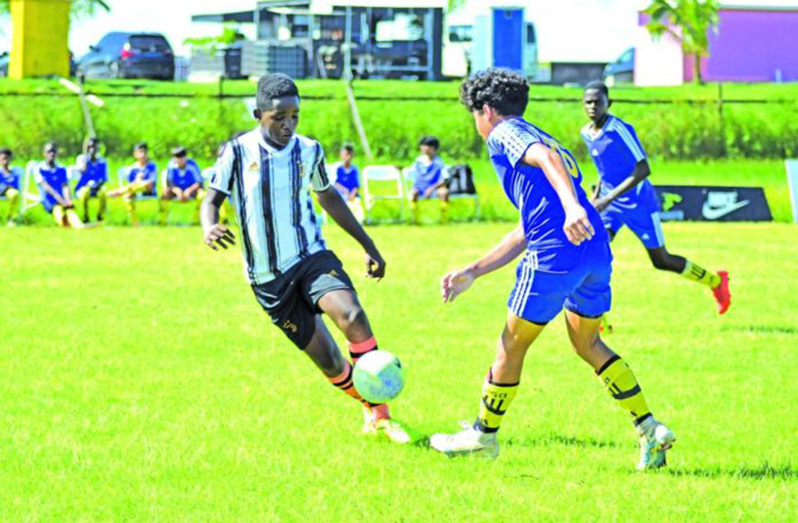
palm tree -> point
(689, 21)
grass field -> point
(141, 382)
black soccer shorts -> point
(291, 299)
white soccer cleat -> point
(655, 440)
(468, 441)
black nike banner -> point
(715, 204)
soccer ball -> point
(378, 376)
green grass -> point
(141, 382)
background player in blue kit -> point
(429, 177)
(51, 178)
(347, 181)
(142, 178)
(93, 177)
(183, 183)
(10, 179)
(625, 196)
(566, 264)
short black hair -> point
(348, 147)
(598, 85)
(6, 151)
(274, 85)
(91, 141)
(504, 90)
(50, 145)
(431, 141)
(141, 145)
(179, 152)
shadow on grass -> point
(763, 472)
(763, 329)
(559, 439)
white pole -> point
(792, 182)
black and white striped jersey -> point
(270, 191)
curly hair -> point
(275, 85)
(504, 90)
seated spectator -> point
(10, 182)
(142, 178)
(93, 177)
(347, 181)
(429, 181)
(51, 177)
(183, 183)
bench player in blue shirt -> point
(10, 179)
(183, 183)
(347, 181)
(566, 263)
(141, 178)
(625, 196)
(93, 177)
(429, 177)
(51, 178)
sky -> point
(568, 30)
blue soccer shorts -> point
(538, 296)
(642, 218)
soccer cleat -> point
(468, 441)
(722, 293)
(391, 429)
(655, 440)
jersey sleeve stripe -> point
(631, 143)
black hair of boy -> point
(430, 141)
(275, 85)
(141, 146)
(504, 90)
(598, 85)
(348, 147)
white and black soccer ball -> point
(378, 376)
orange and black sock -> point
(345, 383)
(358, 350)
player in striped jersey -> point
(566, 264)
(269, 173)
(625, 196)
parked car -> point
(621, 70)
(129, 55)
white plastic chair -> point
(386, 175)
(30, 195)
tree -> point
(689, 21)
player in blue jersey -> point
(269, 172)
(566, 263)
(141, 178)
(183, 183)
(347, 181)
(625, 196)
(429, 177)
(93, 177)
(10, 180)
(51, 178)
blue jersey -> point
(349, 179)
(427, 173)
(10, 179)
(616, 151)
(55, 177)
(183, 178)
(95, 174)
(527, 187)
(148, 173)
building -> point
(322, 38)
(752, 44)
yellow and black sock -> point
(444, 212)
(496, 399)
(698, 274)
(623, 387)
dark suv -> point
(129, 55)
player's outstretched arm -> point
(456, 283)
(641, 172)
(335, 206)
(577, 226)
(215, 233)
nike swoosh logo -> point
(713, 213)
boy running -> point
(10, 179)
(93, 177)
(51, 177)
(268, 172)
(566, 263)
(625, 196)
